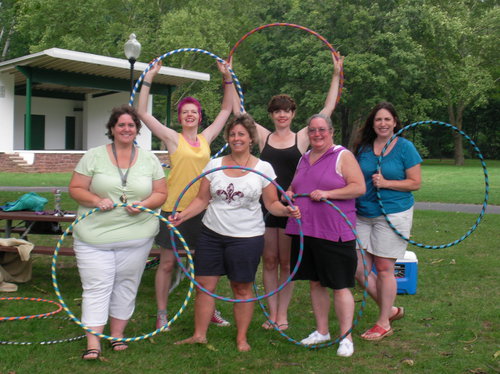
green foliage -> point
(433, 59)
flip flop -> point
(94, 353)
(399, 314)
(117, 346)
(377, 333)
(283, 326)
(267, 325)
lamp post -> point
(132, 52)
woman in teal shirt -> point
(400, 174)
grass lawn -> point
(441, 182)
(451, 324)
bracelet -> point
(230, 82)
(147, 84)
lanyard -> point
(123, 177)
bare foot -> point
(192, 340)
(243, 346)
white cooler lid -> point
(409, 257)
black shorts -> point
(190, 231)
(273, 221)
(218, 255)
(333, 264)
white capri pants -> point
(110, 276)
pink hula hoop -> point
(328, 45)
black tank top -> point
(284, 161)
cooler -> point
(406, 273)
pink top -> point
(320, 220)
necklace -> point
(123, 177)
(246, 163)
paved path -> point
(462, 208)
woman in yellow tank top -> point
(189, 152)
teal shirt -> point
(403, 156)
(117, 225)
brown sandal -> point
(91, 354)
(117, 346)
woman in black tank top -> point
(283, 149)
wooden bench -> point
(68, 251)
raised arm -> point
(212, 131)
(330, 102)
(331, 98)
(167, 135)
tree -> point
(457, 38)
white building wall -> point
(55, 112)
(91, 117)
(96, 114)
(6, 112)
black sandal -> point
(92, 352)
(115, 344)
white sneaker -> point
(346, 348)
(315, 338)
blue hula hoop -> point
(44, 342)
(365, 286)
(202, 51)
(70, 313)
(486, 182)
(191, 265)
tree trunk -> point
(456, 119)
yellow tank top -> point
(187, 162)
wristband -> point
(230, 82)
(147, 84)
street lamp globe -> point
(132, 52)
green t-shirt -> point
(117, 225)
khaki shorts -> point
(379, 239)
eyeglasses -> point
(321, 130)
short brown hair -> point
(116, 113)
(281, 102)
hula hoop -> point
(365, 286)
(70, 313)
(34, 315)
(328, 45)
(47, 342)
(190, 259)
(202, 51)
(486, 182)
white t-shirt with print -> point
(234, 209)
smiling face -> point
(124, 131)
(320, 134)
(282, 118)
(189, 115)
(384, 123)
(239, 139)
